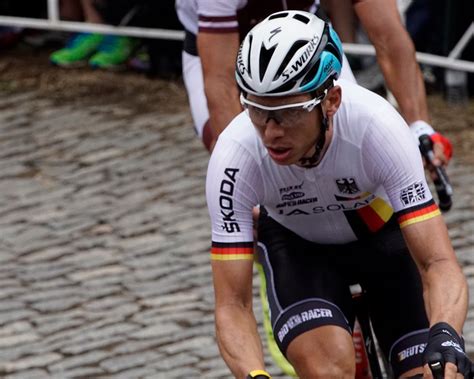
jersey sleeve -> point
(392, 158)
(233, 188)
(218, 16)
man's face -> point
(288, 133)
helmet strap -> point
(319, 144)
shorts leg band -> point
(304, 316)
(407, 352)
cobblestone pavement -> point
(104, 264)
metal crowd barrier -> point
(54, 23)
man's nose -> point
(273, 129)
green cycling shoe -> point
(113, 53)
(78, 50)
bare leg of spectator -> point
(90, 12)
(71, 10)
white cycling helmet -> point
(289, 52)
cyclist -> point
(213, 30)
(343, 199)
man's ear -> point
(332, 101)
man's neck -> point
(311, 152)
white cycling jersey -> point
(371, 170)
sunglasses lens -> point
(258, 115)
(283, 115)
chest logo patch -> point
(347, 186)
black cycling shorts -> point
(308, 286)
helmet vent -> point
(311, 73)
(334, 50)
(283, 88)
(278, 15)
(265, 57)
(302, 18)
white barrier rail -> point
(53, 23)
(429, 59)
(70, 26)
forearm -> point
(238, 339)
(218, 52)
(404, 79)
(446, 294)
(445, 289)
(395, 55)
(342, 18)
(223, 102)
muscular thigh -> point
(305, 289)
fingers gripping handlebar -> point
(436, 363)
(445, 346)
(442, 184)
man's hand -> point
(442, 147)
(443, 340)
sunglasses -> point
(285, 115)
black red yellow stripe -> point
(376, 214)
(418, 213)
(221, 251)
(369, 219)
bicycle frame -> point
(362, 314)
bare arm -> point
(444, 285)
(236, 327)
(396, 56)
(218, 52)
(342, 17)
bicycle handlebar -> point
(442, 184)
(436, 363)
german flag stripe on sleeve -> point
(231, 251)
(418, 213)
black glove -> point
(258, 374)
(444, 340)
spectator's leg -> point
(71, 10)
(81, 46)
(90, 12)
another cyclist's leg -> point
(309, 303)
(395, 296)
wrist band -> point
(255, 373)
(420, 128)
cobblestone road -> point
(104, 264)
